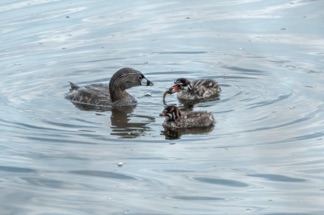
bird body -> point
(197, 90)
(174, 118)
(114, 94)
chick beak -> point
(162, 114)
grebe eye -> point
(140, 77)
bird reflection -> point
(173, 134)
(186, 106)
(121, 125)
(88, 107)
(189, 105)
(120, 120)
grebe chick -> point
(198, 90)
(174, 118)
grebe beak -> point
(149, 83)
(175, 88)
(146, 82)
(163, 113)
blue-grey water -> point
(265, 154)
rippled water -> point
(264, 155)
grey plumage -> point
(113, 94)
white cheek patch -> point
(168, 115)
(144, 81)
(174, 116)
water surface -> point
(264, 155)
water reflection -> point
(173, 134)
(126, 124)
(189, 104)
(122, 119)
(186, 105)
(87, 107)
(122, 125)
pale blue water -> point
(264, 155)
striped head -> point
(183, 83)
(180, 84)
(171, 113)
